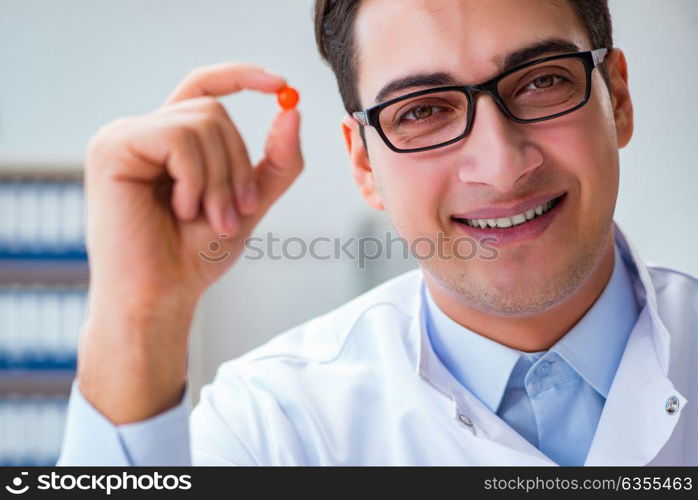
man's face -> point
(501, 165)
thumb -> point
(282, 161)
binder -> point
(31, 430)
(41, 327)
(42, 218)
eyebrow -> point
(505, 63)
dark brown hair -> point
(334, 34)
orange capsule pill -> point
(287, 97)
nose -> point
(496, 151)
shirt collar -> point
(595, 344)
(478, 363)
(593, 347)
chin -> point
(517, 284)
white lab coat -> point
(361, 385)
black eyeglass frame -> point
(369, 116)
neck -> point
(538, 332)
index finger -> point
(225, 78)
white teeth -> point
(514, 220)
(518, 219)
(503, 222)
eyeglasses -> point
(535, 91)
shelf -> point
(44, 272)
(48, 168)
(45, 382)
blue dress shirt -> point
(552, 398)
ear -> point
(620, 96)
(360, 166)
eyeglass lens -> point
(534, 92)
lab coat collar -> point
(634, 424)
(646, 296)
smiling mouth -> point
(514, 220)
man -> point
(493, 121)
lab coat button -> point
(672, 405)
(465, 420)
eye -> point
(544, 82)
(421, 112)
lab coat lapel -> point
(634, 424)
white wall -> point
(70, 66)
(659, 170)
